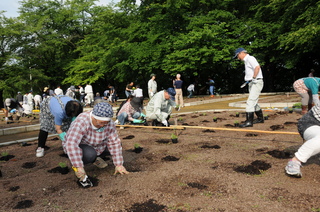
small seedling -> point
(174, 136)
(4, 154)
(63, 164)
(180, 119)
(215, 119)
(204, 114)
(237, 114)
(136, 145)
(236, 122)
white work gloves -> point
(151, 93)
(254, 81)
(165, 123)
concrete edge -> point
(23, 140)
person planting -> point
(160, 106)
(56, 115)
(91, 136)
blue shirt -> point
(57, 111)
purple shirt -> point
(82, 131)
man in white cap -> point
(12, 106)
(160, 106)
(91, 136)
(253, 75)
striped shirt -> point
(82, 131)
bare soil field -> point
(213, 167)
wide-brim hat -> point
(135, 103)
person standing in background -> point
(177, 84)
(58, 91)
(211, 87)
(253, 75)
(19, 98)
(152, 86)
(89, 93)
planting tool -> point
(244, 84)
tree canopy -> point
(75, 42)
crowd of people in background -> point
(88, 136)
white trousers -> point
(254, 93)
(312, 145)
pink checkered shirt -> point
(82, 132)
(128, 109)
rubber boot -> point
(304, 109)
(260, 117)
(249, 121)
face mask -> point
(100, 129)
(73, 118)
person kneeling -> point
(92, 135)
(131, 111)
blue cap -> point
(171, 92)
(237, 51)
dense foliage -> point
(75, 42)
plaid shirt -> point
(81, 131)
(128, 109)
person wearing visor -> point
(56, 115)
(91, 136)
(160, 107)
(253, 75)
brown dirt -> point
(207, 170)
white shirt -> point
(152, 86)
(250, 63)
(88, 89)
(137, 92)
(58, 91)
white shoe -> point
(40, 152)
(100, 163)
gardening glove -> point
(142, 115)
(165, 123)
(138, 121)
(121, 170)
(84, 180)
(6, 119)
(61, 136)
(254, 81)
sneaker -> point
(40, 152)
(100, 163)
(293, 168)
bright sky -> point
(11, 6)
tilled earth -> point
(213, 167)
